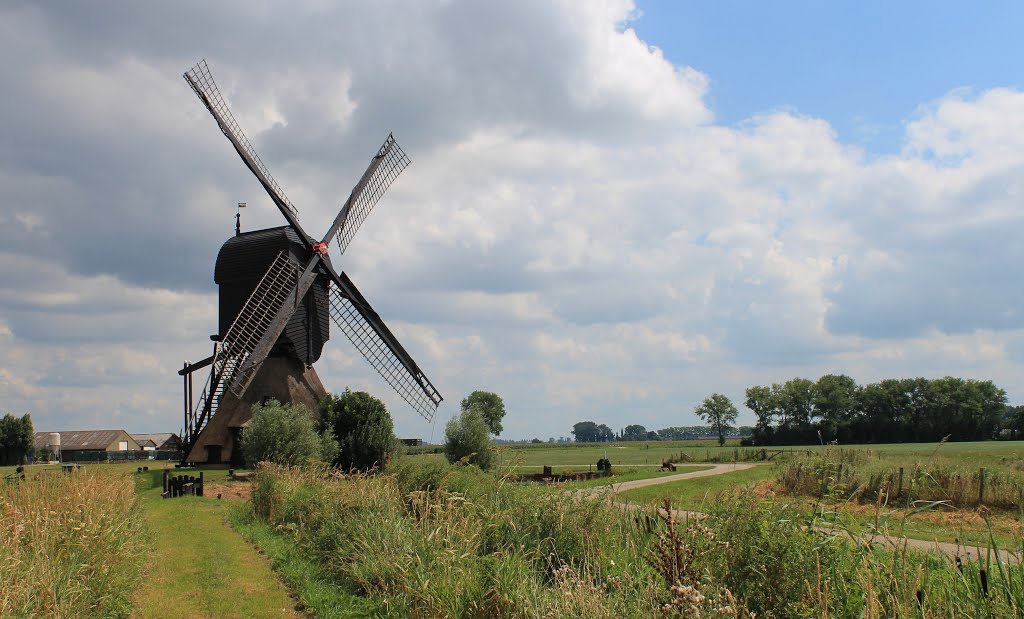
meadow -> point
(429, 539)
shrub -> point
(285, 434)
(363, 428)
(467, 438)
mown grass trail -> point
(199, 567)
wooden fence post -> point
(981, 486)
(899, 488)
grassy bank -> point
(71, 545)
(441, 541)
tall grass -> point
(441, 541)
(70, 545)
(868, 475)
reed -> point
(70, 545)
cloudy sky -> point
(613, 210)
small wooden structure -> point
(182, 485)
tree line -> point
(592, 432)
(836, 408)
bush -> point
(285, 434)
(363, 428)
(468, 438)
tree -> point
(836, 401)
(16, 439)
(1013, 422)
(363, 428)
(285, 434)
(718, 411)
(605, 434)
(491, 407)
(634, 432)
(469, 437)
(585, 432)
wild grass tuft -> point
(70, 545)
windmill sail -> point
(368, 333)
(201, 81)
(384, 168)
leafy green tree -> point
(605, 434)
(363, 428)
(285, 434)
(634, 432)
(585, 432)
(491, 407)
(835, 404)
(16, 439)
(468, 437)
(796, 402)
(764, 402)
(1013, 422)
(718, 411)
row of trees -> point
(591, 432)
(892, 410)
(16, 439)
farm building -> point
(90, 445)
(166, 441)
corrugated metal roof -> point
(162, 440)
(83, 439)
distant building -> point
(167, 441)
(411, 442)
(89, 445)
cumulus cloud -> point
(575, 232)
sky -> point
(613, 210)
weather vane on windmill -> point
(279, 294)
(238, 218)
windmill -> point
(279, 292)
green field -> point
(692, 494)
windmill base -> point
(283, 379)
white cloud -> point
(574, 233)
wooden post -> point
(165, 481)
(839, 472)
(899, 488)
(981, 486)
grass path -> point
(202, 568)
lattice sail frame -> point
(393, 161)
(416, 389)
(201, 81)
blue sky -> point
(863, 66)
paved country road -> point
(717, 469)
(968, 552)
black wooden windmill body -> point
(279, 293)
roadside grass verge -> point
(693, 494)
(70, 545)
(198, 566)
